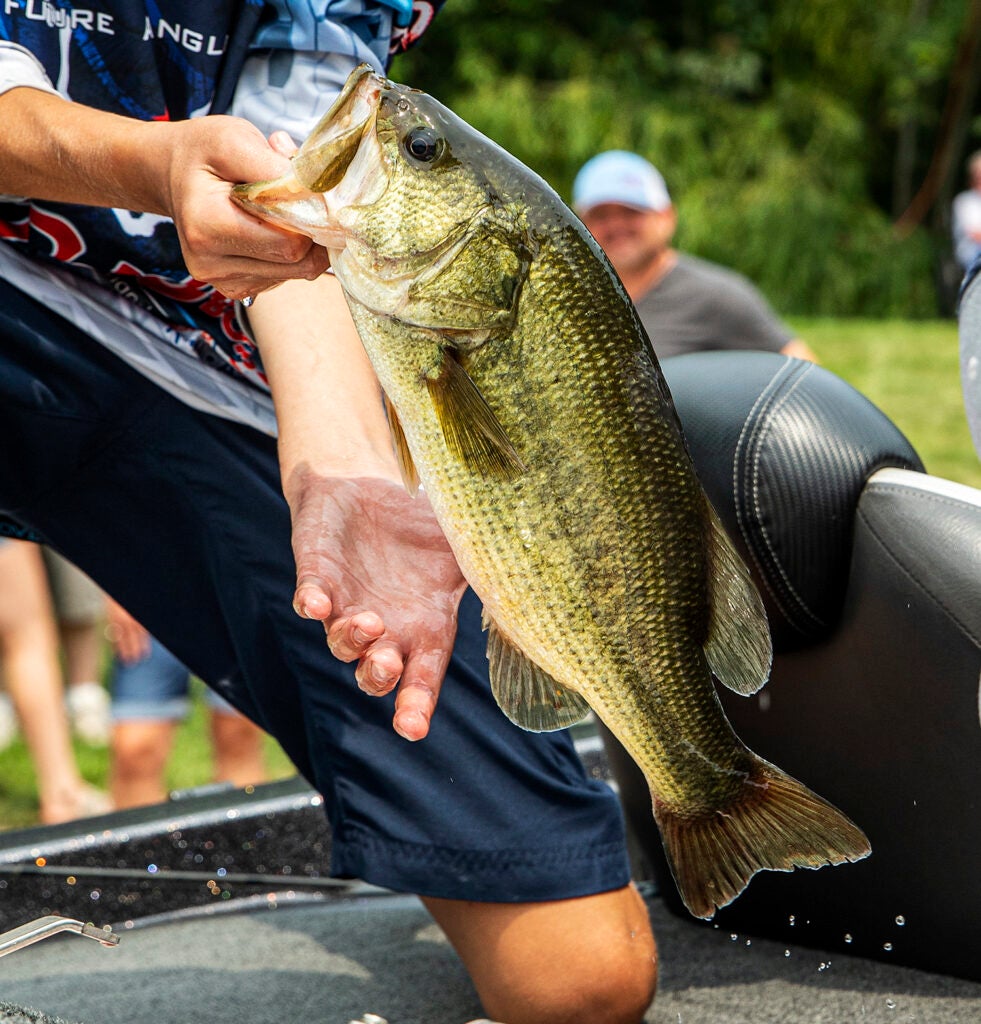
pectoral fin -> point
(526, 693)
(472, 431)
(738, 647)
(403, 456)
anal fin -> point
(738, 647)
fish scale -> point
(527, 399)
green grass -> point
(190, 765)
(908, 368)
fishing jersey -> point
(119, 274)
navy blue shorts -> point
(179, 516)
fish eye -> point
(423, 144)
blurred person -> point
(150, 690)
(80, 614)
(685, 304)
(969, 332)
(9, 726)
(31, 670)
(965, 216)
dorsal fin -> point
(526, 693)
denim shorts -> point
(180, 517)
(156, 689)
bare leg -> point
(238, 749)
(139, 754)
(87, 699)
(82, 646)
(80, 613)
(563, 962)
(29, 650)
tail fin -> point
(776, 824)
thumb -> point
(281, 142)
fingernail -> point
(405, 720)
(381, 676)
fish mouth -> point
(296, 201)
(321, 162)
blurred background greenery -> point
(814, 147)
(190, 765)
(793, 137)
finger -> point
(241, 276)
(229, 234)
(350, 637)
(282, 143)
(379, 668)
(311, 599)
(249, 236)
(418, 693)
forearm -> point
(51, 148)
(799, 350)
(328, 401)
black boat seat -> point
(870, 570)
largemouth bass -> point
(525, 397)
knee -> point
(615, 986)
(235, 735)
(591, 958)
(614, 992)
(624, 996)
(139, 752)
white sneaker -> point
(9, 725)
(88, 712)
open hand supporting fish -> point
(525, 397)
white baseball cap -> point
(617, 176)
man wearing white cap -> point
(686, 304)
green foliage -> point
(775, 124)
(912, 372)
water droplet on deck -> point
(887, 946)
(793, 920)
(900, 920)
(890, 1005)
(848, 937)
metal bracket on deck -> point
(44, 927)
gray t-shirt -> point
(699, 306)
